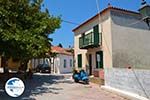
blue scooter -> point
(81, 76)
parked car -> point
(38, 67)
(43, 68)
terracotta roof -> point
(104, 11)
(60, 50)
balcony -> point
(89, 40)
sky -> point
(78, 11)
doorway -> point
(90, 64)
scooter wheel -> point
(86, 81)
(76, 80)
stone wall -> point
(134, 81)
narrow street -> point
(52, 87)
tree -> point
(24, 29)
(60, 45)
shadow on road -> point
(38, 85)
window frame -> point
(99, 64)
(71, 63)
(79, 60)
(65, 63)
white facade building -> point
(61, 63)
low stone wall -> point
(135, 81)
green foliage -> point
(24, 28)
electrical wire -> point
(70, 22)
(100, 21)
(145, 92)
(134, 22)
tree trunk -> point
(24, 66)
(5, 64)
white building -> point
(61, 63)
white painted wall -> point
(59, 63)
(77, 51)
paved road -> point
(51, 87)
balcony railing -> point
(89, 40)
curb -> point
(128, 95)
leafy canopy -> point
(24, 28)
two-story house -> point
(110, 43)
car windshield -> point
(45, 65)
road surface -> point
(58, 87)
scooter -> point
(81, 76)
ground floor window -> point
(70, 62)
(79, 60)
(99, 59)
(65, 62)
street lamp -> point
(145, 12)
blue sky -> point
(78, 11)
